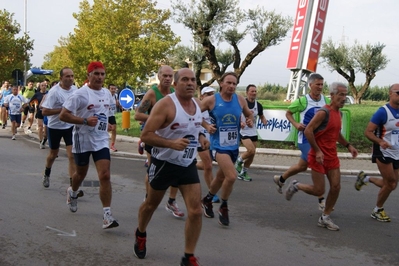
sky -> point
(364, 21)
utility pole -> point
(25, 30)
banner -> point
(278, 128)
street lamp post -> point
(25, 30)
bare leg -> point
(192, 198)
(389, 182)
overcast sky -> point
(367, 21)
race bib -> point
(228, 136)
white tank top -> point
(183, 126)
(391, 135)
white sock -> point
(74, 194)
(366, 179)
(239, 159)
(323, 216)
(107, 210)
(376, 209)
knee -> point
(104, 176)
(335, 188)
(251, 151)
(392, 184)
(148, 207)
(303, 168)
(195, 212)
(207, 166)
(230, 179)
(52, 156)
(319, 191)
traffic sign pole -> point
(126, 100)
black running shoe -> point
(224, 216)
(139, 247)
(80, 193)
(208, 208)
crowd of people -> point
(177, 127)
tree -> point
(131, 38)
(218, 21)
(58, 58)
(348, 61)
(14, 50)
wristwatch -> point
(85, 121)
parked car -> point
(138, 98)
(349, 99)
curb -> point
(277, 152)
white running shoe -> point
(71, 201)
(291, 190)
(322, 205)
(46, 181)
(280, 185)
(174, 209)
(109, 221)
(328, 223)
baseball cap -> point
(206, 90)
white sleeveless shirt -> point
(183, 126)
(391, 135)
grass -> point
(360, 116)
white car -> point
(349, 99)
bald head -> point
(165, 76)
(394, 87)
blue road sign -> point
(126, 98)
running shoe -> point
(71, 201)
(244, 177)
(224, 216)
(238, 166)
(140, 148)
(322, 205)
(174, 209)
(291, 190)
(109, 221)
(140, 250)
(359, 181)
(80, 193)
(380, 215)
(215, 199)
(327, 223)
(28, 131)
(192, 261)
(146, 163)
(113, 148)
(41, 145)
(280, 185)
(208, 208)
(4, 127)
(46, 181)
(13, 137)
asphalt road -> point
(37, 228)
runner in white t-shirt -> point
(56, 129)
(88, 108)
(113, 107)
(15, 103)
